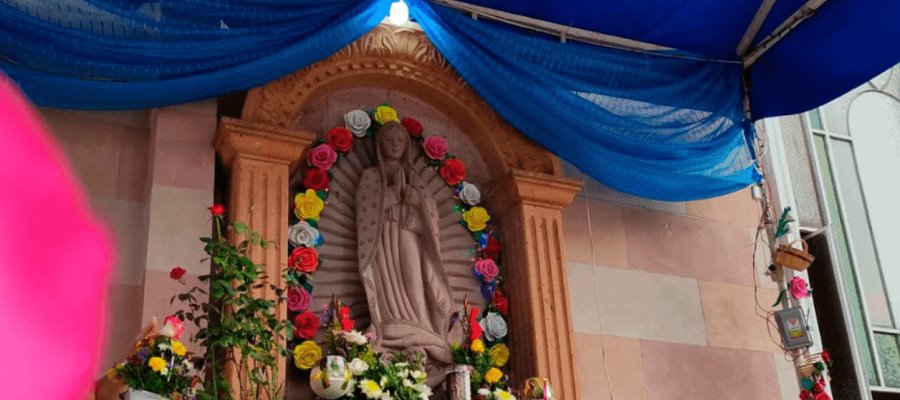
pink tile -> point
(591, 366)
(689, 247)
(736, 316)
(679, 371)
(159, 289)
(739, 209)
(123, 323)
(626, 367)
(607, 230)
(575, 232)
(183, 153)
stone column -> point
(529, 207)
(258, 160)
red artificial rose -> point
(474, 332)
(412, 126)
(500, 302)
(316, 179)
(216, 209)
(453, 172)
(340, 139)
(805, 395)
(822, 396)
(826, 358)
(818, 387)
(306, 325)
(304, 259)
(347, 324)
(491, 249)
(177, 272)
(344, 312)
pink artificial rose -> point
(172, 327)
(298, 299)
(435, 147)
(487, 269)
(798, 287)
(322, 156)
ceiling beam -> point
(761, 13)
(807, 10)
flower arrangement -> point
(246, 333)
(485, 351)
(367, 374)
(309, 203)
(816, 377)
(160, 364)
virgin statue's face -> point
(393, 143)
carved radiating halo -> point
(330, 174)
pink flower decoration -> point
(172, 327)
(298, 299)
(322, 156)
(487, 269)
(435, 147)
(798, 287)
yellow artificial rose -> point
(493, 375)
(157, 364)
(499, 355)
(308, 205)
(477, 346)
(307, 354)
(178, 348)
(385, 114)
(476, 218)
(503, 395)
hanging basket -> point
(789, 257)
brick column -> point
(529, 207)
(258, 159)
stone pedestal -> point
(529, 208)
(258, 159)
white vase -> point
(143, 395)
(340, 381)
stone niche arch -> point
(260, 150)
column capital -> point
(260, 141)
(538, 189)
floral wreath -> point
(486, 332)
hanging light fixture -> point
(399, 13)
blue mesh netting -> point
(663, 127)
(122, 54)
(668, 128)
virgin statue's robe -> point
(401, 269)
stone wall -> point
(149, 175)
(667, 299)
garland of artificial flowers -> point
(485, 350)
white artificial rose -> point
(357, 121)
(484, 392)
(358, 367)
(354, 337)
(303, 234)
(470, 194)
(494, 326)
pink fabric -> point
(54, 263)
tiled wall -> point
(667, 301)
(149, 175)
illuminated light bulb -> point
(399, 13)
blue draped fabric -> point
(125, 54)
(662, 127)
(658, 126)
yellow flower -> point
(157, 364)
(385, 114)
(370, 388)
(307, 354)
(499, 355)
(493, 375)
(178, 348)
(477, 346)
(308, 205)
(503, 395)
(476, 218)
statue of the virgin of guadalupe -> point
(399, 254)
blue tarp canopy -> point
(662, 108)
(842, 45)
